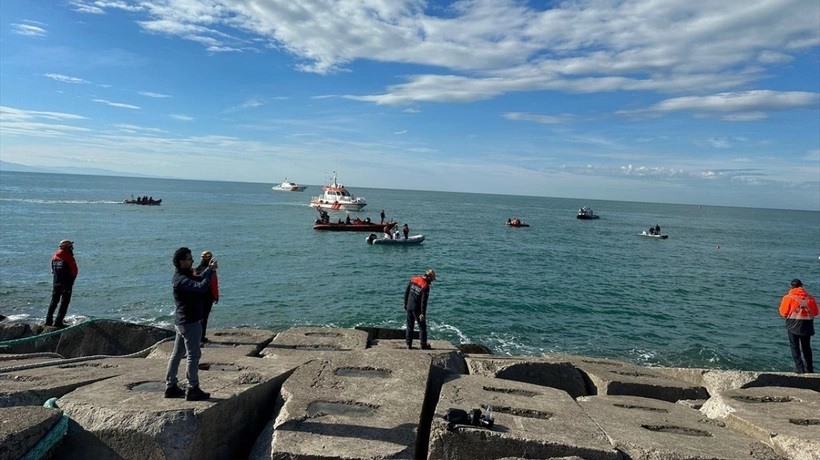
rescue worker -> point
(415, 303)
(406, 230)
(64, 270)
(799, 308)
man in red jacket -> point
(64, 268)
(799, 308)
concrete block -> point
(610, 377)
(646, 428)
(715, 380)
(787, 419)
(128, 417)
(317, 339)
(22, 428)
(33, 387)
(531, 421)
(355, 405)
(547, 372)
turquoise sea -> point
(706, 297)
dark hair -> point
(179, 254)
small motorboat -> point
(662, 236)
(586, 213)
(356, 225)
(335, 197)
(414, 239)
(288, 186)
(516, 222)
(144, 201)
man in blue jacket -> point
(189, 295)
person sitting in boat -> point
(347, 219)
(387, 233)
(651, 230)
(516, 221)
(657, 229)
(509, 221)
(367, 220)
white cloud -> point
(180, 117)
(29, 30)
(520, 116)
(150, 94)
(116, 104)
(65, 78)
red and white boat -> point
(288, 186)
(335, 197)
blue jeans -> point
(186, 343)
(412, 319)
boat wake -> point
(41, 201)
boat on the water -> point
(586, 213)
(356, 225)
(288, 186)
(144, 201)
(400, 241)
(662, 236)
(335, 197)
(516, 223)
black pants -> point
(796, 342)
(412, 319)
(206, 311)
(62, 295)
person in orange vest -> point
(64, 270)
(415, 303)
(799, 308)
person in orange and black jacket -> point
(799, 308)
(64, 269)
(415, 303)
(212, 296)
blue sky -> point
(712, 103)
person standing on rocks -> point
(64, 268)
(189, 295)
(212, 296)
(799, 308)
(415, 303)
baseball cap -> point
(430, 274)
(797, 283)
(66, 243)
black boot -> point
(174, 392)
(196, 394)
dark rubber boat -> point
(354, 226)
(144, 202)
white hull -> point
(288, 186)
(337, 206)
(660, 237)
(298, 188)
(415, 239)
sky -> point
(698, 102)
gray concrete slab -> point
(355, 405)
(33, 387)
(109, 337)
(610, 377)
(444, 354)
(164, 350)
(547, 372)
(787, 419)
(317, 339)
(531, 421)
(646, 428)
(22, 428)
(128, 417)
(716, 380)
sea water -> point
(705, 297)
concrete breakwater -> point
(310, 393)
